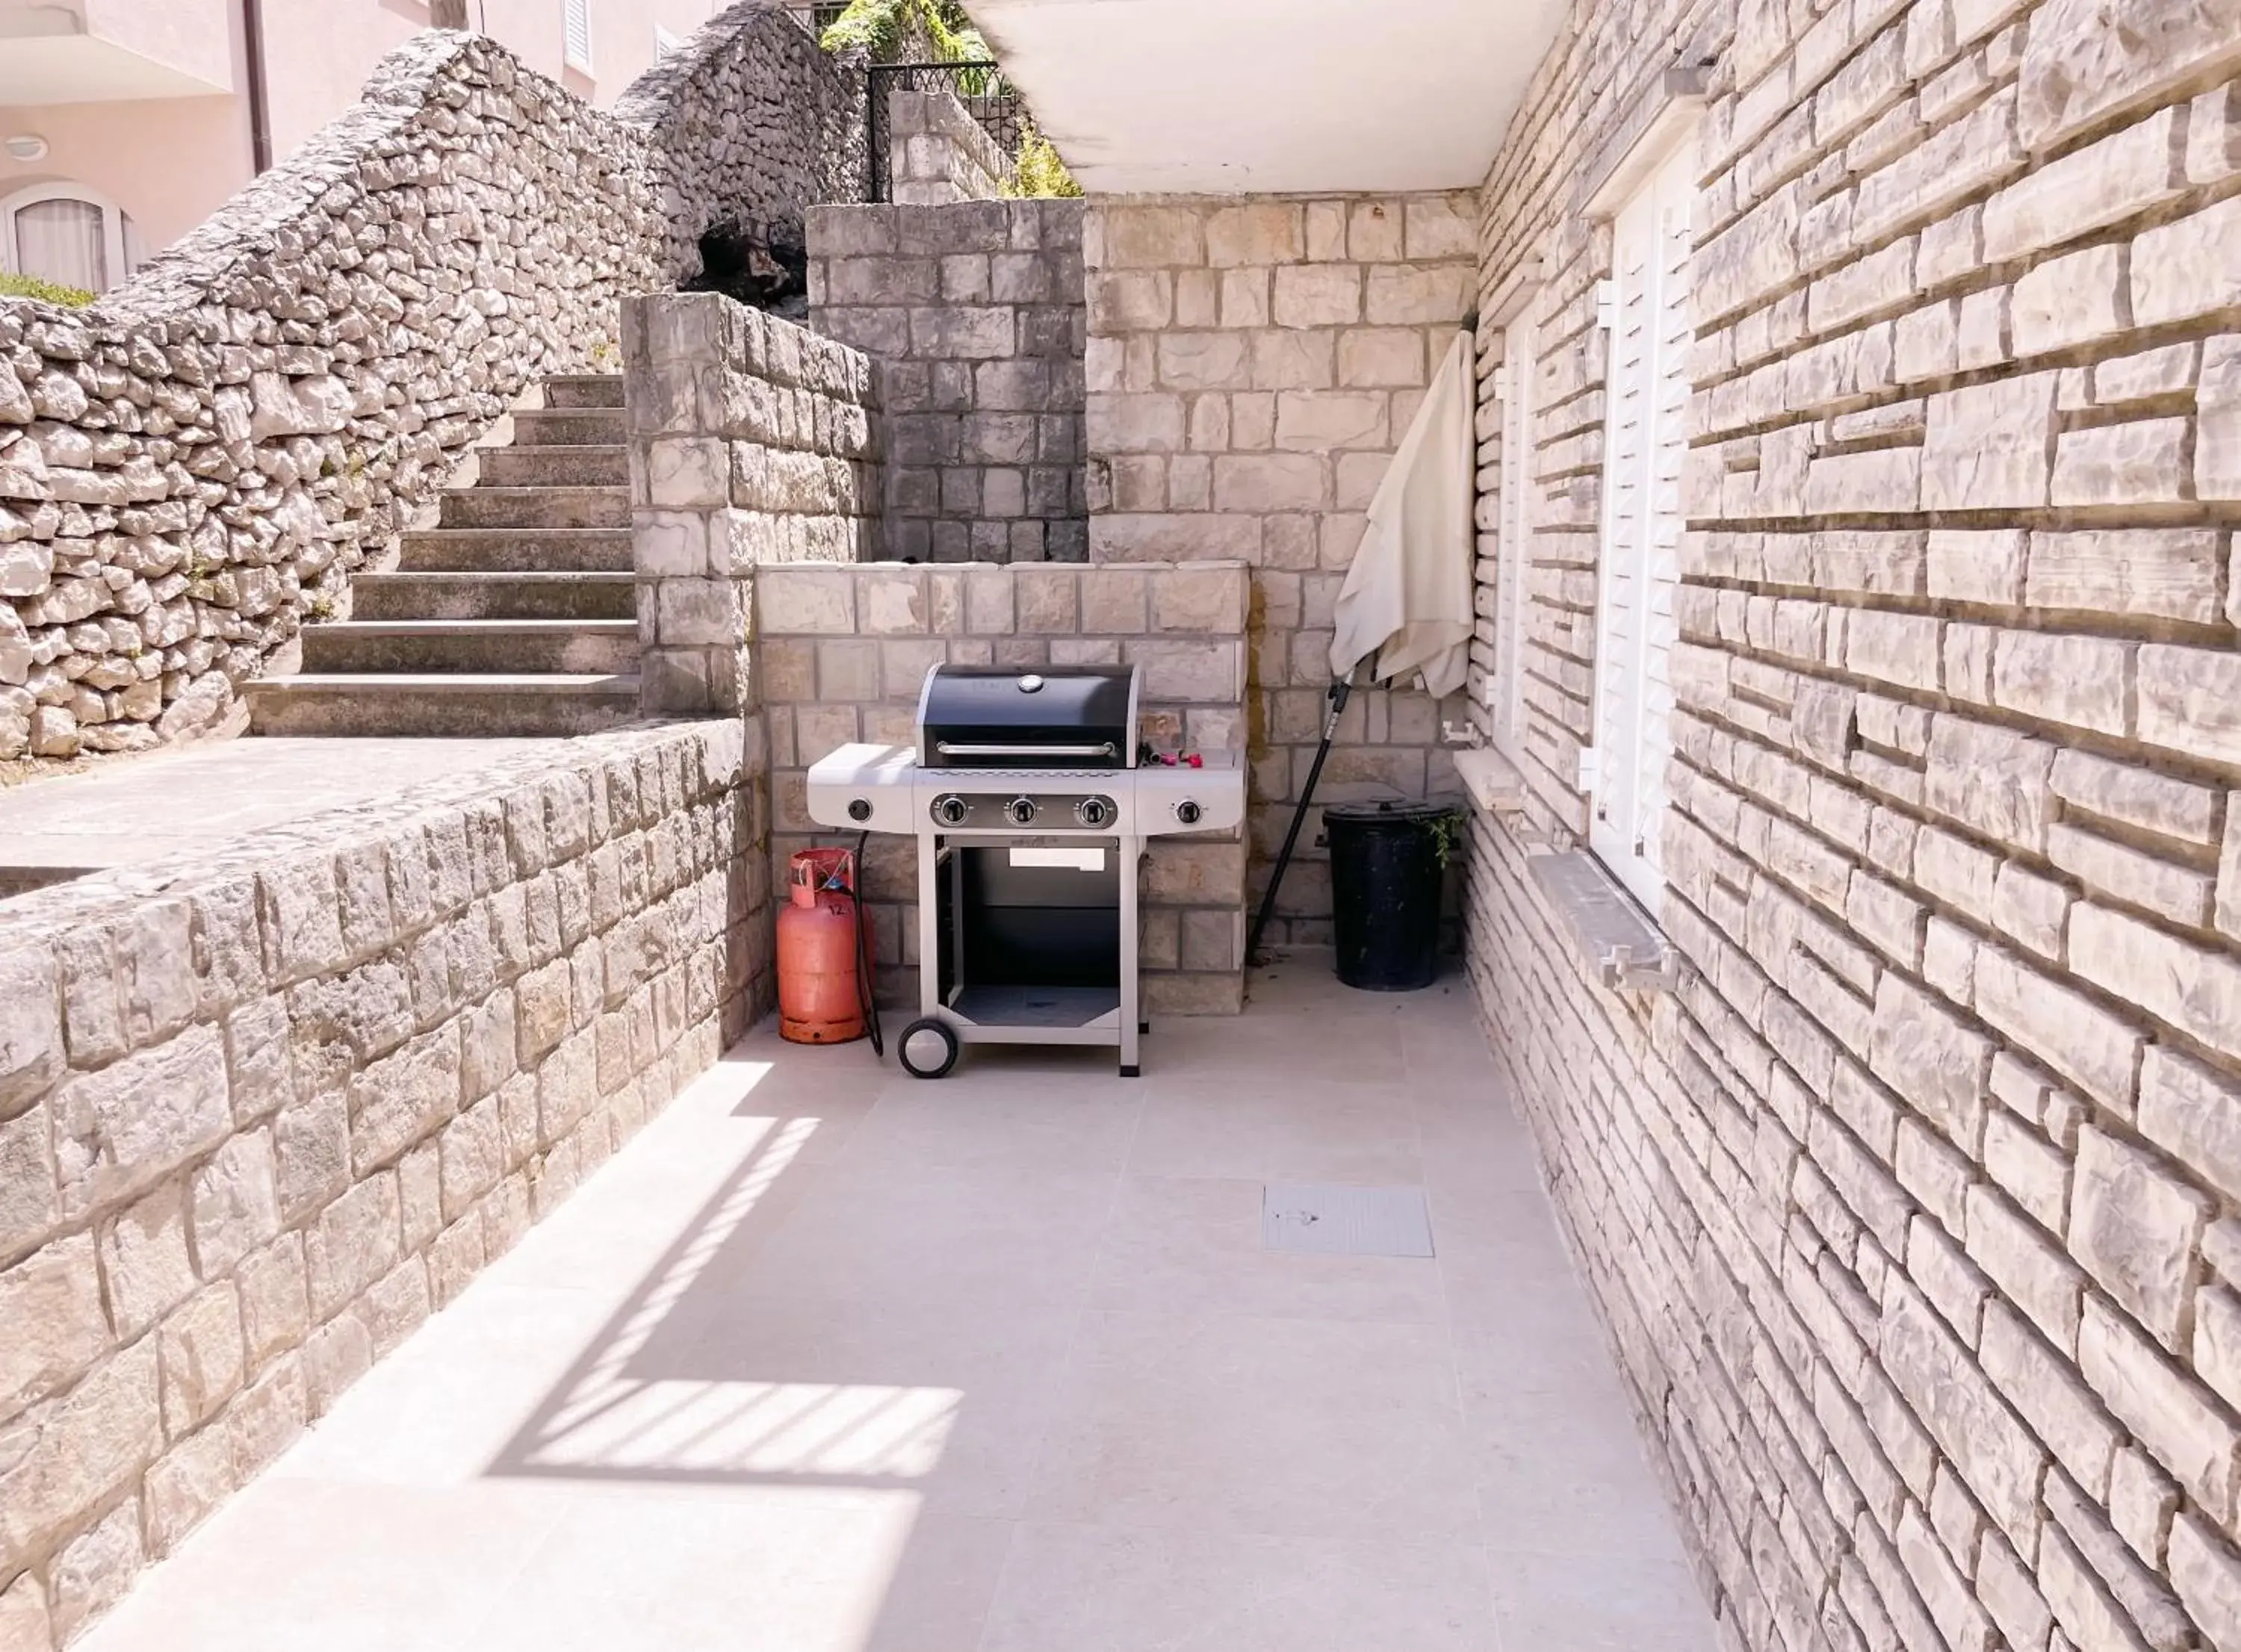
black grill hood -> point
(996, 717)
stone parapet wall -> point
(1915, 1207)
(974, 313)
(198, 462)
(262, 1113)
(842, 653)
(752, 441)
(1253, 364)
(938, 155)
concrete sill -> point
(1491, 780)
(1627, 952)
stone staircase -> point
(517, 615)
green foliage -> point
(1447, 836)
(21, 286)
(888, 29)
(1038, 173)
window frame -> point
(1668, 146)
(116, 228)
(570, 10)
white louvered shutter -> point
(1645, 442)
(664, 43)
(1507, 689)
(576, 30)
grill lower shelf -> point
(997, 1006)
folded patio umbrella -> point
(1408, 597)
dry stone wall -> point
(752, 441)
(193, 465)
(260, 1114)
(1253, 364)
(1916, 1208)
(974, 313)
(842, 654)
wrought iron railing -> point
(991, 101)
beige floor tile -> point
(1089, 1589)
(1340, 1048)
(1191, 1246)
(1019, 1237)
(1519, 1291)
(1300, 1427)
(787, 1571)
(1266, 1128)
(948, 1402)
(1552, 1604)
(292, 1566)
(1061, 1123)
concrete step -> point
(510, 646)
(500, 549)
(570, 427)
(585, 390)
(456, 706)
(586, 466)
(542, 595)
(535, 507)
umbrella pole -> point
(1340, 692)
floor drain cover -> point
(1345, 1221)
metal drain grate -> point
(1345, 1221)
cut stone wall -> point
(1253, 364)
(842, 653)
(1916, 1208)
(752, 441)
(263, 1112)
(974, 314)
(189, 465)
(938, 155)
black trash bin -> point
(1385, 892)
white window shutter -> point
(576, 29)
(664, 43)
(1508, 688)
(1645, 443)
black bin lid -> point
(1388, 813)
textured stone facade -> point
(938, 155)
(1253, 364)
(194, 464)
(752, 441)
(842, 653)
(1913, 1208)
(263, 1112)
(974, 313)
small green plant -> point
(1036, 171)
(322, 606)
(887, 27)
(23, 286)
(1447, 836)
(607, 355)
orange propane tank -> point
(819, 999)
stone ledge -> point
(1627, 952)
(1494, 782)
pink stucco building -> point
(124, 122)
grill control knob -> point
(1188, 812)
(859, 809)
(951, 810)
(1022, 811)
(1093, 812)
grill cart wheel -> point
(928, 1048)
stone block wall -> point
(974, 314)
(842, 653)
(190, 465)
(1253, 364)
(938, 155)
(1916, 1208)
(262, 1113)
(752, 441)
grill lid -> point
(1078, 717)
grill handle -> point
(1105, 748)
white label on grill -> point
(1070, 860)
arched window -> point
(67, 234)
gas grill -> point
(1031, 807)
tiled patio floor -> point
(833, 1361)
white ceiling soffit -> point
(1211, 96)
